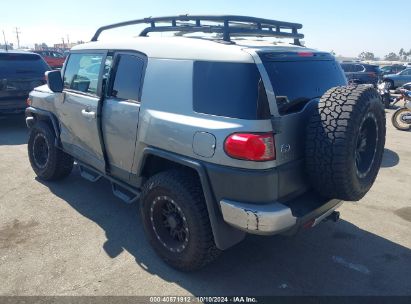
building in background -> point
(59, 47)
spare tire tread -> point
(331, 138)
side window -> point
(348, 68)
(82, 71)
(229, 89)
(127, 79)
(358, 68)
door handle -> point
(88, 114)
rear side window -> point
(348, 68)
(229, 89)
(358, 68)
(127, 78)
(22, 65)
(82, 72)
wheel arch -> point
(155, 160)
(34, 114)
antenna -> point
(5, 42)
(17, 36)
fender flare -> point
(225, 235)
(33, 113)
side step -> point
(121, 190)
(127, 195)
(88, 174)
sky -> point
(347, 27)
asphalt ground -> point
(74, 237)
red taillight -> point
(305, 54)
(248, 146)
(28, 101)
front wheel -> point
(176, 220)
(399, 119)
(47, 161)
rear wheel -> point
(176, 220)
(47, 161)
(398, 120)
(345, 142)
(390, 84)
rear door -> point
(298, 81)
(79, 112)
(19, 74)
(120, 113)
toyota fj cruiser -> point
(216, 135)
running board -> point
(88, 174)
(121, 190)
(127, 195)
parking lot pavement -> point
(74, 237)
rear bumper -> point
(277, 217)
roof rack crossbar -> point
(230, 26)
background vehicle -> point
(191, 129)
(399, 79)
(401, 119)
(391, 69)
(54, 59)
(361, 73)
(20, 72)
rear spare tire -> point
(345, 142)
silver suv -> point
(216, 131)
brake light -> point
(249, 146)
(305, 54)
(28, 101)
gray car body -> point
(163, 125)
(400, 78)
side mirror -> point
(54, 81)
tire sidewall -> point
(42, 129)
(363, 184)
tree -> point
(366, 56)
(392, 57)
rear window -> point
(229, 89)
(298, 80)
(22, 65)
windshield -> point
(22, 66)
(297, 81)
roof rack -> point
(227, 25)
